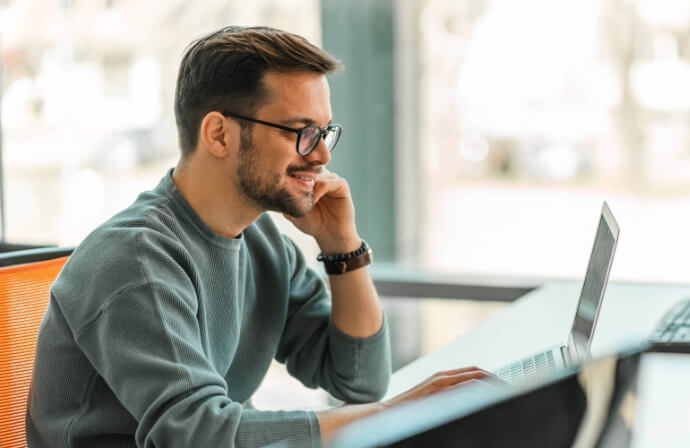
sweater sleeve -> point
(147, 346)
(355, 370)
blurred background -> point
(480, 137)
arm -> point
(135, 312)
(354, 359)
(317, 352)
(148, 349)
(356, 307)
(333, 420)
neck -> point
(213, 195)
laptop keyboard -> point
(672, 333)
(536, 367)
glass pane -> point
(87, 102)
(533, 113)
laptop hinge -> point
(566, 355)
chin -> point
(298, 208)
(300, 212)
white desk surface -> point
(543, 318)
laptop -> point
(577, 347)
(586, 406)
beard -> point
(268, 193)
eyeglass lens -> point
(310, 135)
(308, 139)
(332, 137)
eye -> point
(308, 138)
(310, 132)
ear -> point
(218, 135)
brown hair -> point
(225, 69)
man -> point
(165, 319)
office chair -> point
(25, 280)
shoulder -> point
(134, 247)
(147, 225)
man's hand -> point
(333, 420)
(332, 220)
(440, 382)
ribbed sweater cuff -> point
(297, 429)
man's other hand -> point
(443, 381)
(334, 419)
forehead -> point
(300, 94)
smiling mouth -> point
(306, 182)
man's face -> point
(270, 173)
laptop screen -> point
(594, 284)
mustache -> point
(316, 169)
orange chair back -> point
(24, 294)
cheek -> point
(282, 148)
(273, 153)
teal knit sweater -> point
(159, 331)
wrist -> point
(332, 420)
(342, 262)
(385, 405)
(339, 245)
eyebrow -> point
(305, 120)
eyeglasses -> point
(307, 137)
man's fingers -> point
(451, 380)
(332, 185)
(456, 371)
(487, 385)
(447, 380)
(444, 382)
(319, 190)
(488, 374)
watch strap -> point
(350, 264)
(337, 264)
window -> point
(534, 112)
(87, 99)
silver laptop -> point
(580, 338)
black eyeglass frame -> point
(333, 127)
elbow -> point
(363, 375)
(379, 384)
(378, 389)
(366, 388)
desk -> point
(543, 318)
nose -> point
(320, 155)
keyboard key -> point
(539, 366)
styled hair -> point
(225, 70)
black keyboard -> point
(672, 333)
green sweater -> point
(159, 331)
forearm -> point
(356, 306)
(332, 420)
